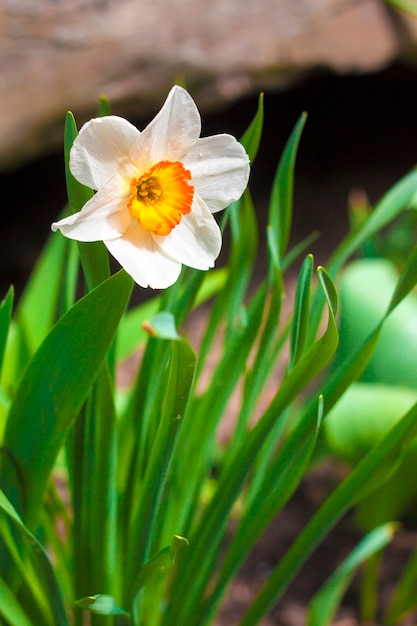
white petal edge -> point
(101, 150)
(220, 170)
(104, 216)
(172, 132)
(143, 259)
(196, 241)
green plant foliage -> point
(50, 598)
(127, 505)
(53, 389)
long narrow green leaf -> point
(301, 311)
(204, 415)
(244, 232)
(53, 389)
(404, 597)
(94, 257)
(148, 508)
(208, 534)
(93, 445)
(278, 484)
(267, 351)
(323, 606)
(6, 306)
(10, 608)
(336, 505)
(399, 198)
(252, 136)
(332, 390)
(39, 303)
(406, 281)
(53, 594)
(281, 203)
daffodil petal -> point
(101, 150)
(143, 259)
(104, 216)
(196, 241)
(219, 169)
(172, 132)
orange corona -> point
(161, 196)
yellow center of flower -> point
(161, 196)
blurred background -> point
(351, 64)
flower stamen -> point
(161, 196)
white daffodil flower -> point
(156, 190)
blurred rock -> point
(60, 54)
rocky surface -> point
(62, 54)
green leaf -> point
(252, 136)
(404, 597)
(148, 510)
(78, 194)
(93, 450)
(281, 203)
(406, 282)
(276, 485)
(53, 389)
(325, 602)
(397, 199)
(409, 6)
(10, 608)
(39, 304)
(161, 561)
(301, 311)
(336, 505)
(162, 326)
(104, 107)
(101, 604)
(52, 595)
(6, 307)
(208, 533)
(150, 581)
(131, 332)
(228, 304)
(94, 256)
